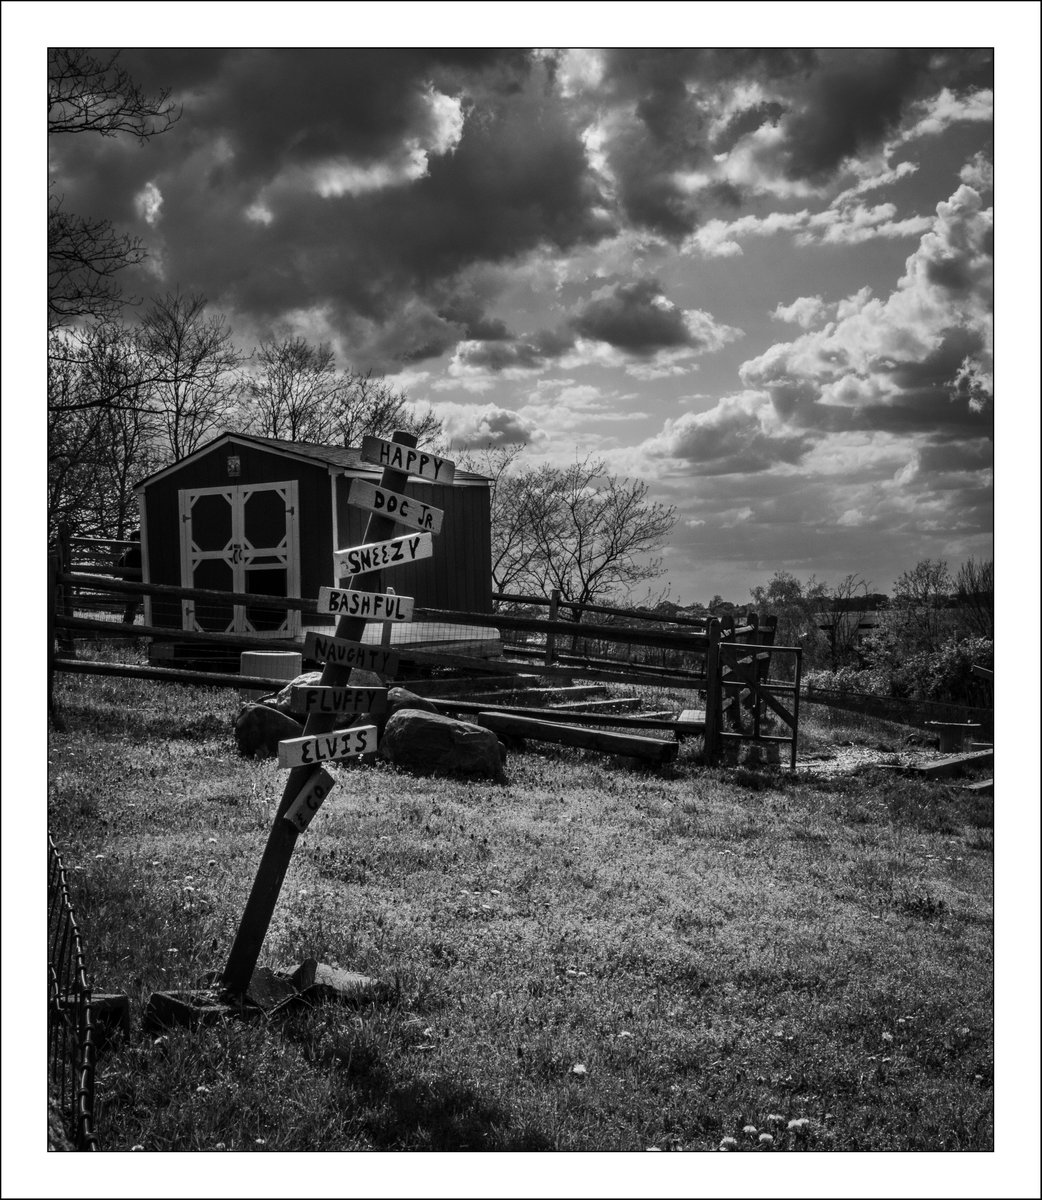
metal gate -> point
(241, 538)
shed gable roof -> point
(340, 458)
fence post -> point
(555, 600)
(713, 711)
(52, 600)
(63, 596)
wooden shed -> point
(255, 514)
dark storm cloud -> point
(471, 159)
(525, 354)
(634, 318)
(748, 120)
(827, 104)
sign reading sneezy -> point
(404, 509)
(405, 458)
(327, 747)
(369, 606)
(376, 555)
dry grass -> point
(718, 950)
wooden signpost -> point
(308, 783)
(404, 509)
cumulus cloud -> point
(148, 202)
(740, 435)
(805, 311)
(904, 361)
(473, 426)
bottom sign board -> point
(309, 800)
(328, 747)
(339, 652)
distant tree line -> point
(921, 644)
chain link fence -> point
(70, 1027)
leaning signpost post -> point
(305, 757)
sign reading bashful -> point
(377, 555)
(369, 606)
(405, 458)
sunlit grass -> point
(721, 950)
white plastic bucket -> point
(269, 664)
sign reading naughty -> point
(374, 556)
(340, 652)
(405, 458)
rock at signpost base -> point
(430, 742)
(282, 700)
(259, 728)
(399, 698)
(318, 983)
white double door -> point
(241, 539)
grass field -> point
(594, 956)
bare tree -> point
(294, 390)
(919, 604)
(85, 254)
(592, 531)
(975, 596)
(97, 449)
(371, 406)
(514, 543)
(191, 365)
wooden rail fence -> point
(696, 651)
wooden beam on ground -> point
(942, 768)
(79, 666)
(624, 703)
(981, 785)
(655, 750)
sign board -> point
(367, 606)
(309, 800)
(374, 556)
(328, 747)
(406, 458)
(339, 700)
(340, 652)
(404, 509)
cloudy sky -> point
(759, 279)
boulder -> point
(399, 698)
(259, 728)
(430, 742)
(281, 700)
